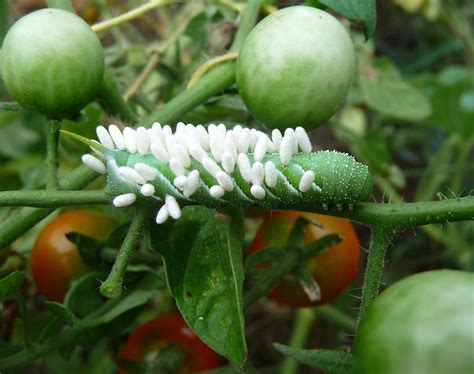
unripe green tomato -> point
(295, 68)
(52, 62)
(423, 324)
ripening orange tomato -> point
(55, 260)
(333, 269)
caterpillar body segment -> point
(176, 169)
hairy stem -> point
(112, 286)
(53, 199)
(52, 164)
(398, 216)
(379, 243)
(21, 222)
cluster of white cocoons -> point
(220, 152)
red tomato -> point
(165, 330)
(333, 269)
(55, 260)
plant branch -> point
(53, 199)
(19, 223)
(337, 317)
(129, 16)
(208, 65)
(26, 321)
(52, 164)
(154, 57)
(112, 286)
(63, 339)
(379, 243)
(304, 319)
(398, 216)
(110, 97)
(249, 19)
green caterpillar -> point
(219, 167)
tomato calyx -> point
(302, 256)
(262, 262)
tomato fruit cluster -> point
(422, 324)
(52, 62)
(333, 269)
(295, 68)
(55, 260)
(164, 331)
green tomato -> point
(423, 324)
(52, 62)
(295, 68)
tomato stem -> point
(337, 317)
(112, 286)
(52, 164)
(26, 321)
(380, 240)
(304, 319)
(110, 97)
(51, 199)
(19, 223)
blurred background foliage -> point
(409, 116)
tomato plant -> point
(163, 331)
(52, 62)
(333, 270)
(421, 324)
(55, 260)
(186, 115)
(295, 68)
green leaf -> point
(385, 91)
(203, 260)
(89, 248)
(10, 285)
(329, 361)
(83, 297)
(356, 10)
(453, 108)
(299, 229)
(61, 311)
